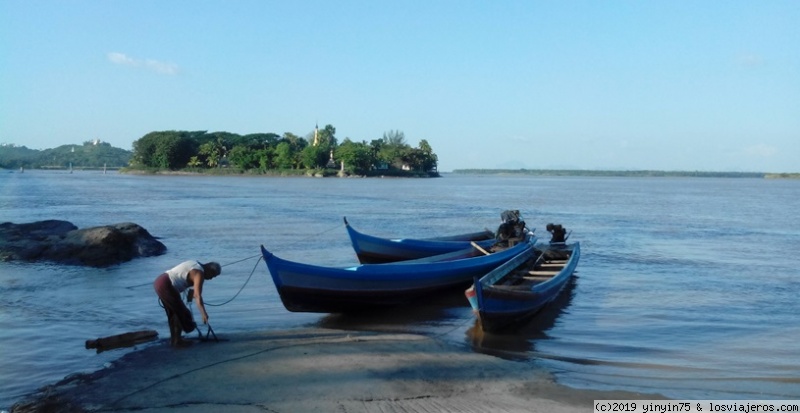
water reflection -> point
(422, 315)
(519, 344)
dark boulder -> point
(63, 242)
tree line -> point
(263, 152)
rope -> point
(259, 256)
(243, 285)
(243, 259)
(131, 287)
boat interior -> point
(540, 268)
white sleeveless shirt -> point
(179, 275)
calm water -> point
(686, 287)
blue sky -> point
(666, 85)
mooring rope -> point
(243, 259)
(259, 256)
(243, 285)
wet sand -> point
(315, 370)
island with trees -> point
(318, 154)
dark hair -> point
(213, 267)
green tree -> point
(166, 150)
(296, 145)
(213, 151)
(143, 150)
(314, 157)
(172, 152)
(393, 149)
(429, 159)
(356, 156)
(376, 148)
(284, 157)
(194, 162)
(265, 158)
(261, 140)
(394, 138)
(244, 157)
(327, 137)
(318, 153)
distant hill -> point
(91, 154)
(634, 173)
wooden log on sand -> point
(122, 340)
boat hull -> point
(311, 288)
(503, 307)
(375, 250)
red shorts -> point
(173, 305)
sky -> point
(597, 85)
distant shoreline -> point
(630, 173)
(298, 173)
(526, 172)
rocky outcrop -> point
(63, 242)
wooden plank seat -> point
(542, 273)
(507, 287)
(537, 278)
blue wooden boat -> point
(318, 289)
(514, 292)
(375, 250)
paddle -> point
(479, 248)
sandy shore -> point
(314, 370)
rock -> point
(63, 242)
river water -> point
(686, 287)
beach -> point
(314, 370)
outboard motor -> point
(511, 230)
(559, 233)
